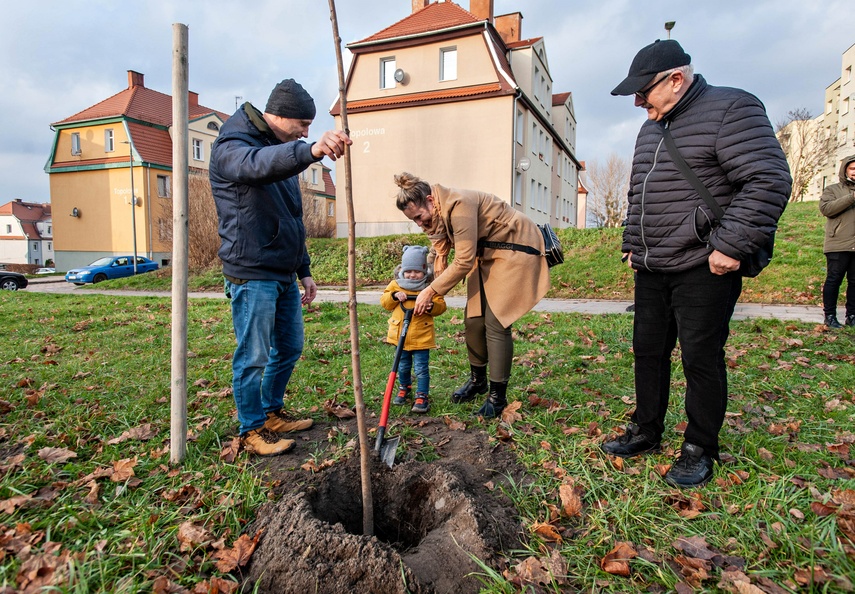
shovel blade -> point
(388, 449)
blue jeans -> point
(419, 363)
(268, 323)
(695, 307)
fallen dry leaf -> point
(192, 535)
(56, 455)
(123, 469)
(571, 503)
(229, 453)
(141, 433)
(239, 554)
(546, 531)
(510, 414)
(616, 561)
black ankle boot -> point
(496, 401)
(476, 384)
(831, 321)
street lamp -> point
(133, 200)
(668, 26)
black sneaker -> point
(403, 394)
(693, 468)
(831, 322)
(850, 320)
(421, 404)
(632, 443)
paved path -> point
(802, 313)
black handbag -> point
(552, 249)
(752, 265)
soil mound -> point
(430, 518)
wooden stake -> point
(364, 446)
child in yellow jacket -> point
(411, 276)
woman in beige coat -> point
(502, 284)
(837, 203)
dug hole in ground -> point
(430, 518)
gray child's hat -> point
(414, 258)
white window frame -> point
(330, 208)
(314, 177)
(448, 63)
(387, 73)
(109, 141)
(75, 143)
(198, 150)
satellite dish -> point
(399, 75)
(523, 164)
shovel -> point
(387, 447)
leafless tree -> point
(315, 218)
(203, 240)
(607, 186)
(808, 147)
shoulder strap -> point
(687, 172)
(503, 245)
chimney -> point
(509, 26)
(135, 79)
(482, 9)
(192, 99)
(419, 4)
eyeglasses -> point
(643, 94)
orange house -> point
(110, 171)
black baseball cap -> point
(657, 57)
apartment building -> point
(838, 123)
(459, 98)
(110, 170)
(26, 233)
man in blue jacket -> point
(688, 263)
(255, 162)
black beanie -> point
(289, 100)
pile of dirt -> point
(431, 518)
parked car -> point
(46, 271)
(12, 281)
(109, 267)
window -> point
(315, 176)
(448, 63)
(49, 246)
(163, 186)
(387, 73)
(48, 231)
(519, 128)
(847, 74)
(330, 208)
(8, 229)
(213, 126)
(537, 80)
(198, 150)
(518, 188)
(532, 194)
(534, 139)
(828, 107)
(35, 247)
(108, 140)
(845, 108)
(844, 134)
(75, 143)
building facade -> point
(26, 233)
(110, 171)
(458, 98)
(838, 122)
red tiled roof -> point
(560, 98)
(428, 96)
(26, 211)
(329, 186)
(433, 17)
(153, 145)
(523, 43)
(139, 103)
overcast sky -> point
(59, 57)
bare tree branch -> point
(807, 146)
(607, 186)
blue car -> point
(109, 267)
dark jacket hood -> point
(843, 165)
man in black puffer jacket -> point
(687, 263)
(254, 166)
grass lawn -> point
(591, 270)
(90, 503)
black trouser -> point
(838, 265)
(695, 307)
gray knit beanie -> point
(290, 100)
(414, 258)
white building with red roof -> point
(458, 98)
(26, 233)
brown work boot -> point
(263, 442)
(281, 422)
